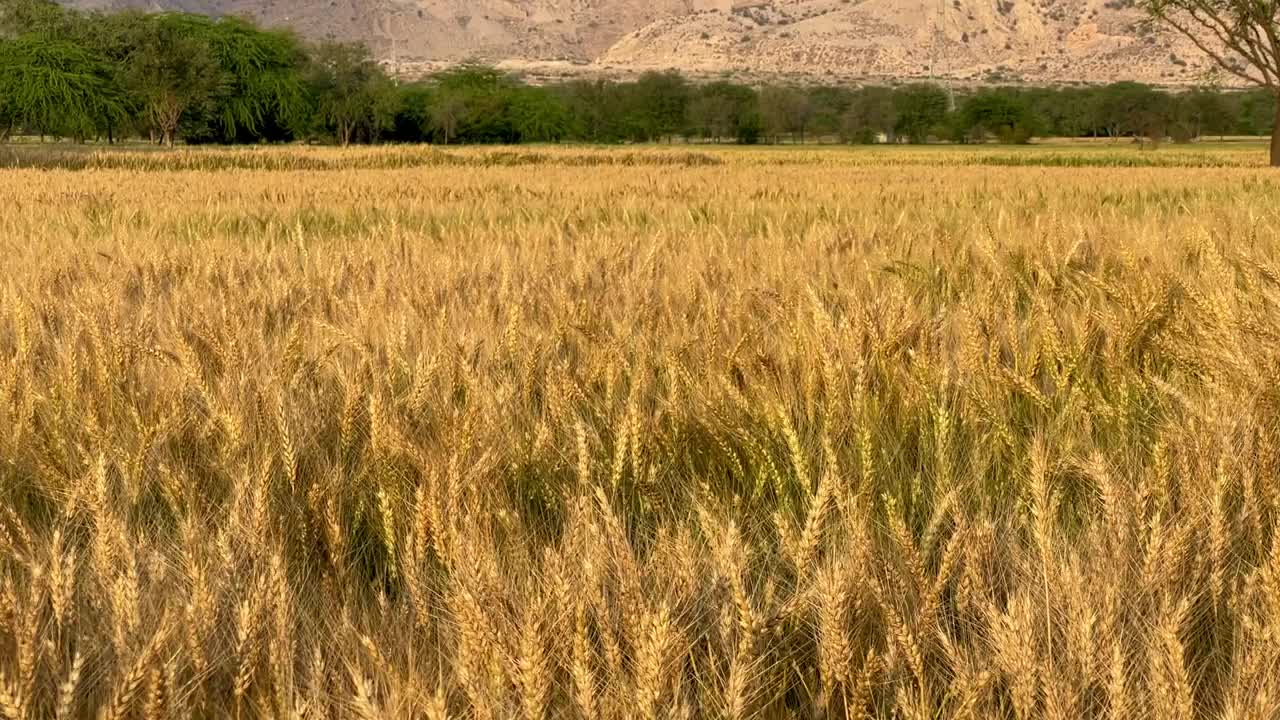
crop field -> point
(640, 433)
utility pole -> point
(387, 24)
(939, 44)
(395, 48)
(933, 48)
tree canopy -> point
(1005, 115)
(920, 109)
(350, 91)
(1241, 36)
(54, 86)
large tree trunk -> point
(1275, 138)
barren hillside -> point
(979, 40)
(975, 40)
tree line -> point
(172, 77)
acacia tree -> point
(350, 89)
(725, 110)
(472, 103)
(871, 113)
(1241, 36)
(919, 108)
(1204, 112)
(537, 115)
(785, 110)
(446, 112)
(55, 87)
(214, 78)
(1131, 109)
(660, 100)
(999, 112)
(172, 70)
(263, 71)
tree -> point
(538, 116)
(1257, 113)
(785, 110)
(263, 78)
(220, 79)
(750, 125)
(447, 111)
(54, 86)
(350, 90)
(710, 116)
(411, 122)
(871, 114)
(920, 108)
(472, 103)
(726, 110)
(997, 112)
(1241, 36)
(1132, 109)
(1203, 112)
(659, 105)
(172, 71)
(1060, 112)
(113, 36)
(828, 106)
(597, 109)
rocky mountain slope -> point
(966, 40)
(974, 40)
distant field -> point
(566, 432)
(1235, 152)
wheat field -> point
(650, 433)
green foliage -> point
(538, 115)
(1201, 112)
(471, 103)
(920, 110)
(786, 111)
(55, 87)
(871, 113)
(262, 75)
(1131, 109)
(19, 17)
(1257, 112)
(750, 127)
(659, 102)
(828, 106)
(411, 121)
(1005, 115)
(352, 94)
(725, 110)
(172, 70)
(1061, 112)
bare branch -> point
(1230, 30)
(1268, 15)
(1265, 79)
(1233, 35)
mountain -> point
(971, 40)
(979, 41)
